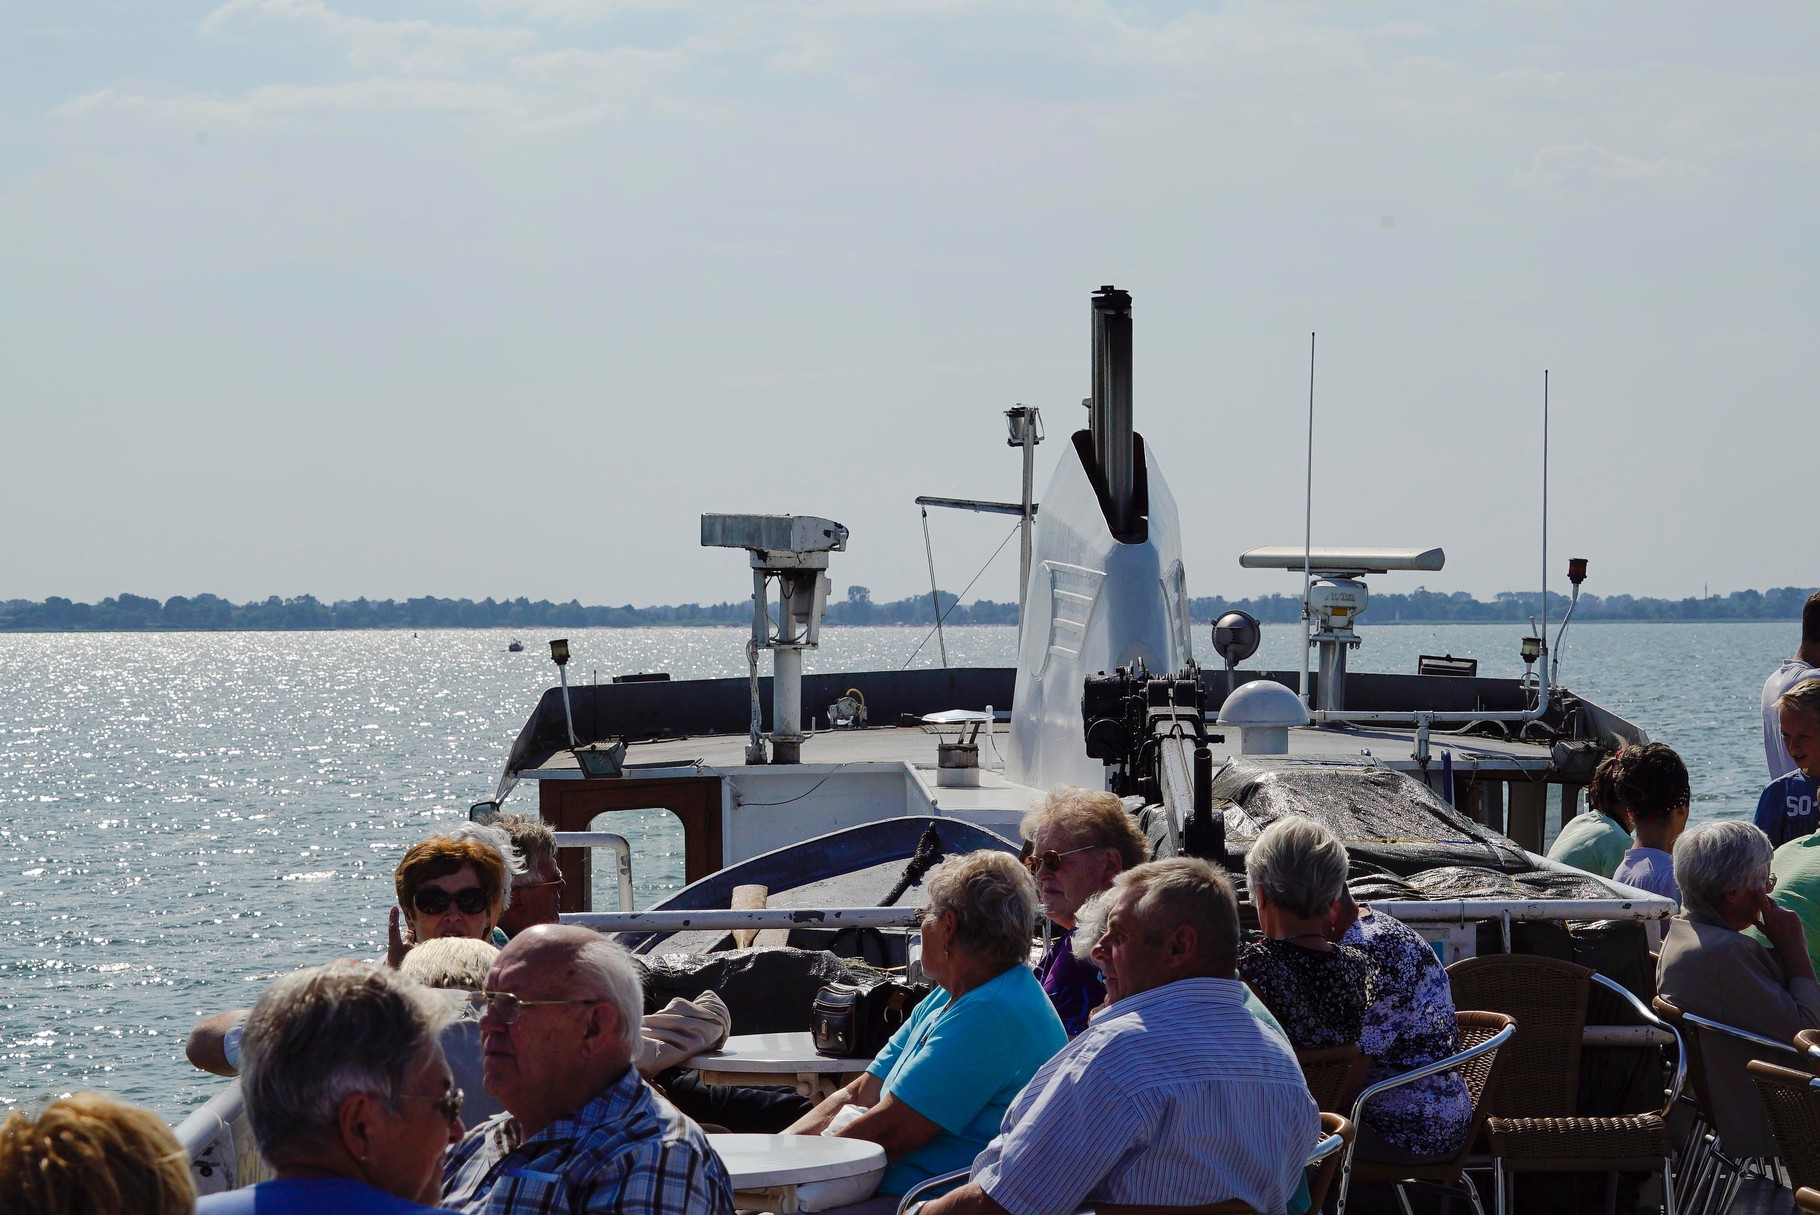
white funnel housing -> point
(1099, 597)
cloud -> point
(407, 47)
(269, 103)
(1587, 166)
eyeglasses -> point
(1052, 859)
(518, 886)
(434, 900)
(506, 1007)
(447, 1104)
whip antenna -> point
(1308, 526)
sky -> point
(495, 297)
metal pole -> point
(1023, 584)
(1112, 426)
(934, 598)
(1308, 528)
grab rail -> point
(622, 852)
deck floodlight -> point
(559, 651)
(600, 759)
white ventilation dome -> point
(1263, 702)
(1262, 711)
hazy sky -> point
(496, 296)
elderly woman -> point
(458, 966)
(938, 1091)
(1409, 1023)
(1079, 841)
(87, 1154)
(1711, 968)
(454, 885)
(1316, 989)
(350, 1100)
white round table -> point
(767, 1169)
(772, 1058)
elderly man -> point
(1175, 1096)
(537, 892)
(582, 1131)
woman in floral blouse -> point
(1409, 1023)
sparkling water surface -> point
(184, 816)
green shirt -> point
(1797, 868)
(1592, 841)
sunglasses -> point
(1051, 859)
(506, 1007)
(434, 900)
(447, 1104)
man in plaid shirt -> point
(582, 1131)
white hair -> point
(1299, 864)
(1714, 859)
(606, 972)
(452, 963)
(495, 838)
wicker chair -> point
(1791, 1101)
(1334, 1074)
(1541, 1073)
(1482, 1034)
(1629, 1143)
(1808, 1043)
(1720, 1045)
(1702, 1157)
(1807, 1201)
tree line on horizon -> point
(211, 613)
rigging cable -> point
(963, 594)
(935, 602)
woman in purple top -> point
(1079, 841)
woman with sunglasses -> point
(1079, 841)
(454, 885)
(350, 1100)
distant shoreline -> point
(213, 614)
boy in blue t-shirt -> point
(1785, 811)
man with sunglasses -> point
(581, 1131)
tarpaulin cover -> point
(1388, 821)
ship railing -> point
(622, 858)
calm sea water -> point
(185, 816)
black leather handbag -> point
(855, 1020)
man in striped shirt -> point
(1175, 1095)
(582, 1131)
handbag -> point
(854, 1020)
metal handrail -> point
(622, 852)
(757, 917)
(1741, 1035)
(1410, 1077)
(1642, 1010)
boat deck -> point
(915, 746)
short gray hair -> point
(1716, 858)
(455, 963)
(531, 836)
(1094, 818)
(607, 973)
(994, 903)
(318, 1036)
(1186, 890)
(1299, 864)
(500, 842)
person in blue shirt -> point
(937, 1093)
(1650, 781)
(1785, 811)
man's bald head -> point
(587, 965)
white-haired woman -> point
(349, 1096)
(1709, 967)
(938, 1091)
(1316, 989)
